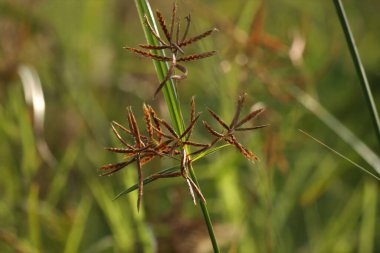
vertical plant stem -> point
(358, 66)
(172, 101)
(206, 215)
(169, 91)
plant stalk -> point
(358, 66)
(172, 101)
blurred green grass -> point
(298, 198)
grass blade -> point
(209, 152)
(146, 180)
(339, 154)
(78, 228)
(358, 66)
(369, 218)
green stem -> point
(169, 90)
(358, 66)
(206, 215)
(172, 101)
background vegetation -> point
(300, 197)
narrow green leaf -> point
(78, 227)
(209, 152)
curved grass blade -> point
(146, 180)
(150, 179)
(34, 97)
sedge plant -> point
(174, 140)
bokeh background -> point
(289, 56)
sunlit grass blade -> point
(34, 97)
(358, 66)
(339, 154)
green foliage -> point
(299, 197)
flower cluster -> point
(235, 125)
(161, 140)
(175, 44)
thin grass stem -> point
(358, 66)
(339, 154)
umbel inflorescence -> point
(159, 139)
(174, 45)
